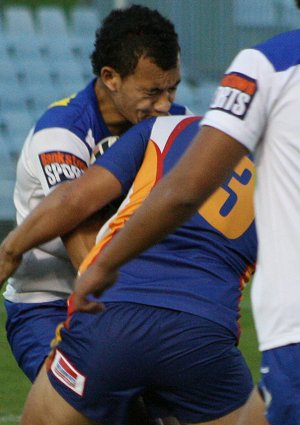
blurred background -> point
(45, 48)
(44, 56)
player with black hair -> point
(137, 69)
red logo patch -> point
(235, 94)
(67, 374)
(60, 166)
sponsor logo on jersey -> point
(102, 146)
(60, 166)
(67, 374)
(235, 94)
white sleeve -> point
(241, 103)
(56, 155)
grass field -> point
(14, 385)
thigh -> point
(30, 328)
(280, 384)
(253, 411)
(44, 406)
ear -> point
(110, 78)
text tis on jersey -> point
(235, 94)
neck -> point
(114, 121)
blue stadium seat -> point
(32, 71)
(18, 20)
(51, 21)
(8, 71)
(246, 13)
(204, 94)
(85, 21)
(185, 94)
(7, 210)
(40, 97)
(65, 72)
(289, 16)
(15, 127)
(25, 47)
(81, 47)
(12, 97)
(54, 49)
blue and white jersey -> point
(203, 266)
(59, 148)
(257, 103)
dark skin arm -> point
(59, 213)
(202, 169)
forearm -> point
(53, 217)
(64, 209)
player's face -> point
(148, 92)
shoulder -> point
(282, 50)
(71, 113)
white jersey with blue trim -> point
(257, 103)
(59, 148)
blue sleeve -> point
(125, 157)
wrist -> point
(9, 247)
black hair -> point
(128, 34)
(298, 3)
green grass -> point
(248, 341)
(14, 385)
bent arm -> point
(60, 212)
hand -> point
(94, 281)
(8, 263)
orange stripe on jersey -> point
(143, 183)
(239, 82)
(149, 174)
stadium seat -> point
(246, 13)
(81, 47)
(66, 72)
(39, 97)
(84, 22)
(32, 71)
(7, 210)
(7, 166)
(185, 94)
(51, 21)
(289, 16)
(15, 125)
(12, 97)
(23, 48)
(8, 71)
(53, 50)
(204, 94)
(19, 20)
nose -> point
(163, 103)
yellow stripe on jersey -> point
(143, 183)
(62, 102)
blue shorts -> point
(30, 328)
(280, 384)
(181, 364)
